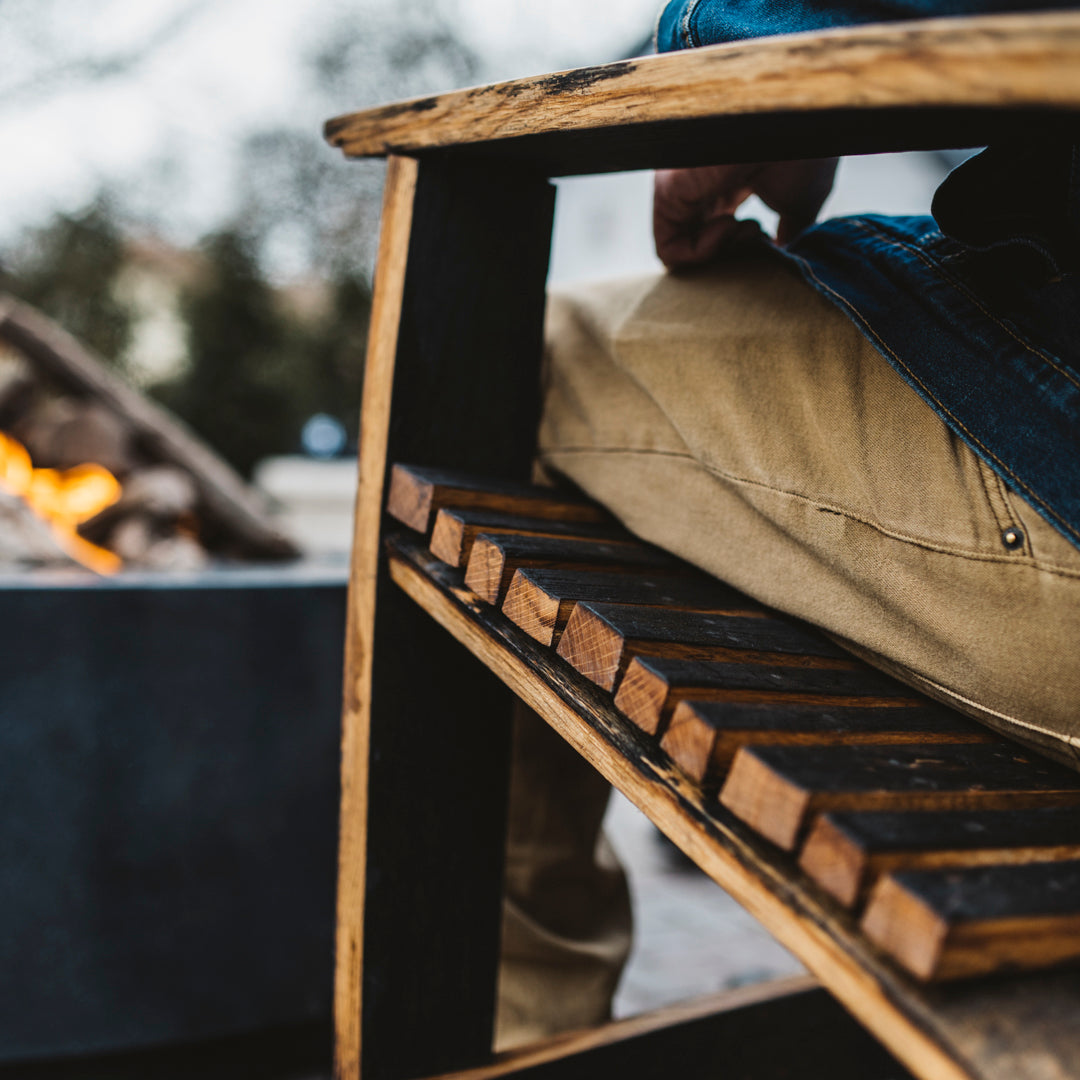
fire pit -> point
(168, 804)
(168, 738)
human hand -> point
(694, 209)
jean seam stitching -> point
(963, 553)
(961, 288)
(868, 330)
(688, 35)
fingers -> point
(790, 225)
(691, 245)
(693, 209)
(693, 212)
(796, 190)
(713, 191)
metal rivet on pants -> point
(1012, 538)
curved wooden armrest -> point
(954, 79)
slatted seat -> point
(895, 848)
(816, 767)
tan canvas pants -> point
(734, 417)
(737, 419)
(566, 914)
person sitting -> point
(870, 423)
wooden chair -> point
(451, 382)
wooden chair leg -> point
(462, 264)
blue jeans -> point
(978, 308)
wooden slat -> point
(845, 853)
(600, 639)
(462, 264)
(540, 601)
(417, 494)
(456, 529)
(971, 1030)
(778, 789)
(495, 559)
(945, 81)
(950, 924)
(734, 1027)
(653, 687)
(703, 737)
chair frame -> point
(451, 379)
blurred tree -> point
(303, 222)
(307, 207)
(257, 368)
(42, 56)
(69, 269)
(335, 352)
(237, 392)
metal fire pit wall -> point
(168, 805)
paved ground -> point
(691, 938)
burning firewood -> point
(25, 538)
(169, 500)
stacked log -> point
(180, 505)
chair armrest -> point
(953, 78)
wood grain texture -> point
(417, 494)
(734, 1027)
(943, 79)
(703, 737)
(600, 639)
(462, 264)
(541, 601)
(1021, 1029)
(455, 531)
(398, 197)
(777, 790)
(495, 559)
(956, 923)
(845, 853)
(654, 686)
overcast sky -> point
(219, 69)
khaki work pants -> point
(736, 418)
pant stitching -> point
(866, 328)
(963, 289)
(927, 545)
(1058, 736)
(688, 35)
(997, 499)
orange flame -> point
(64, 499)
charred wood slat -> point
(850, 90)
(777, 790)
(418, 494)
(540, 601)
(845, 853)
(950, 924)
(455, 530)
(495, 559)
(995, 1025)
(654, 686)
(600, 639)
(703, 737)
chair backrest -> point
(941, 82)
